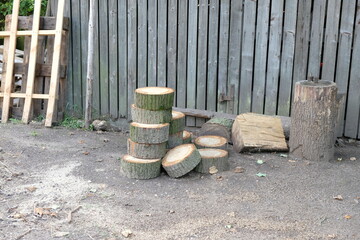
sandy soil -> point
(47, 173)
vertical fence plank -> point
(76, 40)
(104, 57)
(182, 53)
(142, 44)
(213, 55)
(223, 52)
(273, 68)
(316, 38)
(122, 31)
(247, 56)
(331, 39)
(96, 85)
(69, 85)
(234, 54)
(302, 41)
(353, 104)
(113, 59)
(202, 58)
(152, 38)
(132, 30)
(261, 47)
(191, 63)
(84, 16)
(161, 54)
(287, 58)
(345, 47)
(172, 43)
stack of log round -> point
(177, 126)
(214, 157)
(149, 132)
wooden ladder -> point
(9, 57)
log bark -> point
(175, 140)
(177, 123)
(217, 127)
(213, 159)
(146, 151)
(181, 160)
(211, 142)
(150, 117)
(154, 98)
(257, 132)
(187, 137)
(140, 168)
(314, 115)
(149, 133)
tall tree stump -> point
(313, 120)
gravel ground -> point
(66, 184)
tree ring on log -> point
(181, 160)
(177, 123)
(187, 137)
(211, 142)
(154, 98)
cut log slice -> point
(187, 137)
(154, 98)
(175, 140)
(257, 132)
(211, 142)
(149, 133)
(138, 168)
(147, 151)
(141, 115)
(177, 123)
(217, 127)
(181, 160)
(216, 160)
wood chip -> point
(31, 189)
(339, 197)
(239, 170)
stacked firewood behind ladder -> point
(44, 67)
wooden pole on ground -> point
(90, 66)
(314, 115)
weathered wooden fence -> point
(226, 55)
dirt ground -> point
(47, 173)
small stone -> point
(171, 211)
(353, 159)
(100, 125)
(127, 233)
(1, 150)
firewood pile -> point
(157, 138)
